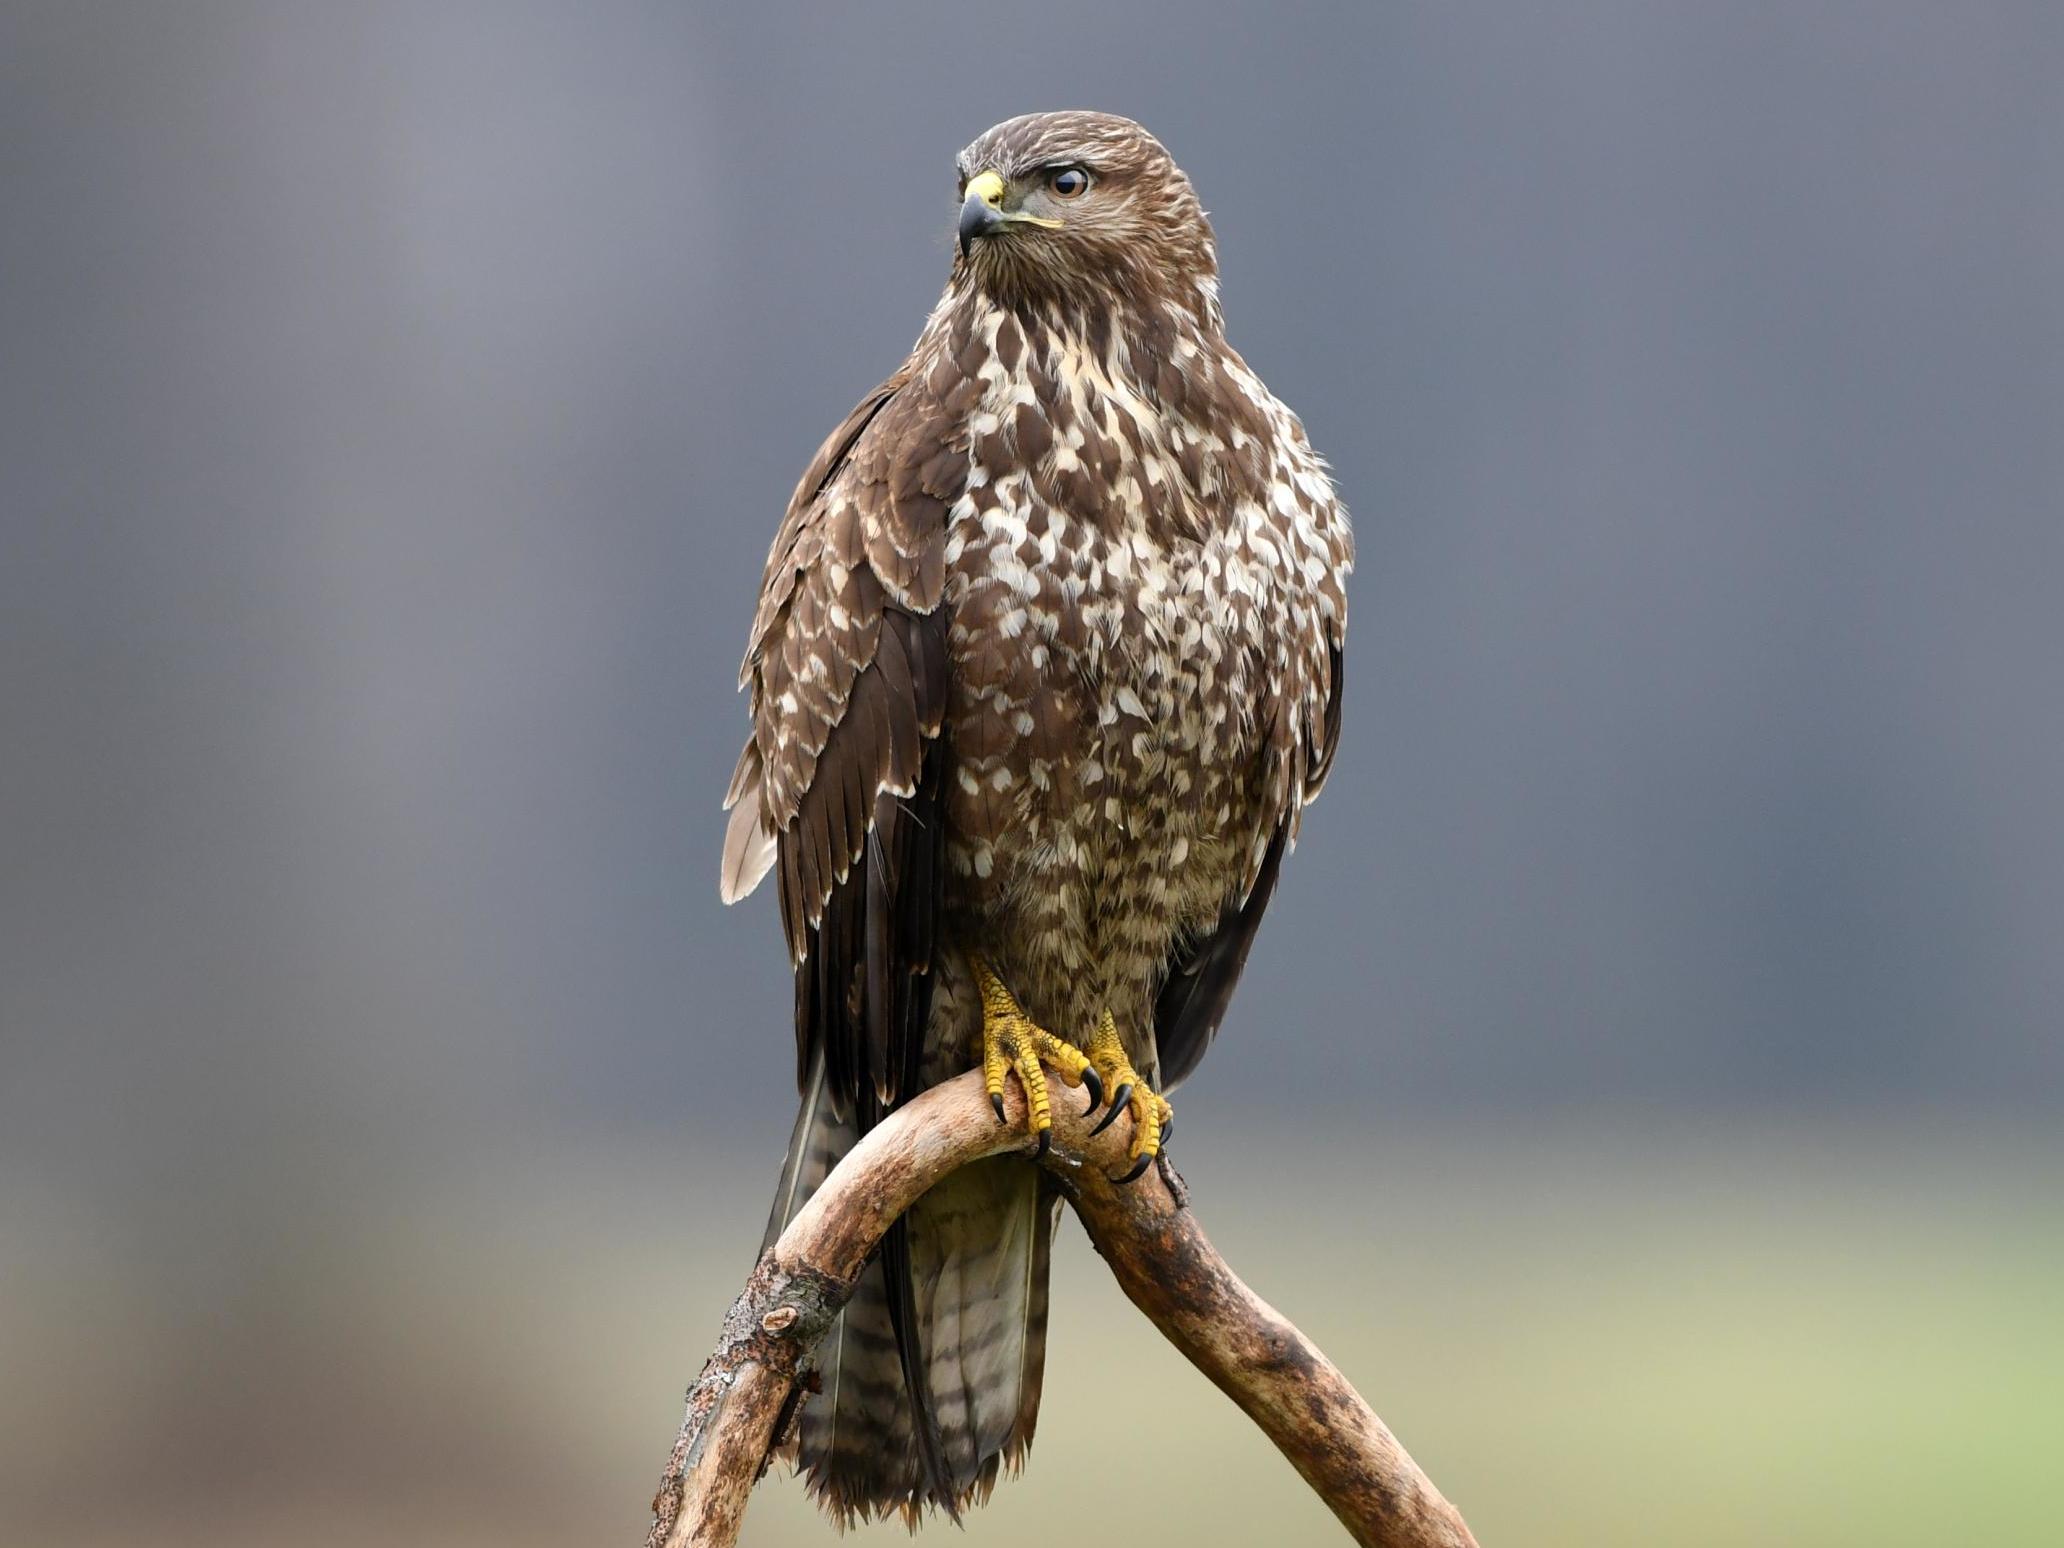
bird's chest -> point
(1111, 636)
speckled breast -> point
(1120, 611)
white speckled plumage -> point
(1046, 666)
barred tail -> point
(974, 1259)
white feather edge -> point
(749, 849)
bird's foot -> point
(1153, 1120)
(1013, 1043)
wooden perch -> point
(1154, 1246)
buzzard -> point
(1045, 668)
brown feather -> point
(1045, 662)
(749, 850)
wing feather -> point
(1200, 983)
(842, 790)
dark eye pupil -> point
(1070, 182)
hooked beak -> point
(982, 213)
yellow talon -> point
(1012, 1041)
(1151, 1114)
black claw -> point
(1139, 1169)
(996, 1101)
(1117, 1106)
(1045, 1144)
(1167, 1130)
(1094, 1082)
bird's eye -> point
(1068, 182)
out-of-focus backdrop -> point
(1647, 1085)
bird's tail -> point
(955, 1304)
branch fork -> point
(748, 1388)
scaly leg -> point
(1012, 1041)
(1153, 1120)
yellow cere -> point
(989, 188)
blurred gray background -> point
(396, 401)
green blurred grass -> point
(1763, 1334)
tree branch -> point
(1154, 1246)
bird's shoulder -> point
(874, 495)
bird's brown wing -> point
(1201, 980)
(838, 789)
(841, 789)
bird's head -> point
(1059, 208)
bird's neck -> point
(1132, 340)
(1128, 298)
(1054, 392)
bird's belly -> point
(1107, 787)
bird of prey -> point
(1045, 668)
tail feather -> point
(814, 1148)
(899, 1279)
(979, 1247)
(980, 1254)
